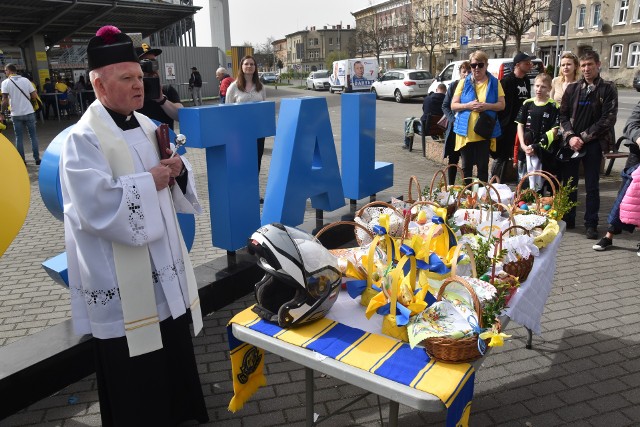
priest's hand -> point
(161, 175)
(174, 164)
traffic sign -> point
(464, 40)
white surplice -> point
(102, 212)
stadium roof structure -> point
(65, 20)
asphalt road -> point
(390, 115)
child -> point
(537, 130)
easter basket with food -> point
(370, 214)
(402, 205)
(443, 194)
(518, 252)
(454, 331)
(400, 297)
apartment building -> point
(307, 50)
(434, 29)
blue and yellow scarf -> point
(381, 355)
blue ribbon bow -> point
(476, 329)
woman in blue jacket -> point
(478, 92)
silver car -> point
(402, 84)
(318, 80)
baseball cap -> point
(521, 56)
(145, 48)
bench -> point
(432, 130)
(615, 154)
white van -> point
(498, 67)
(353, 75)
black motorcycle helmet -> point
(301, 276)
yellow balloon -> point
(14, 195)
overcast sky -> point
(255, 20)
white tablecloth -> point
(527, 304)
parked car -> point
(636, 81)
(318, 80)
(498, 67)
(268, 77)
(402, 84)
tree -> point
(507, 18)
(335, 55)
(265, 54)
(427, 28)
(370, 38)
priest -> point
(131, 281)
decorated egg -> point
(422, 218)
(524, 207)
(547, 207)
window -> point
(622, 7)
(446, 8)
(635, 17)
(454, 7)
(634, 55)
(470, 3)
(454, 34)
(616, 56)
(437, 11)
(595, 14)
(581, 15)
(330, 41)
(446, 35)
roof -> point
(57, 20)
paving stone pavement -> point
(584, 370)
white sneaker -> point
(638, 253)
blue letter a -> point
(304, 163)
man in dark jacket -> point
(164, 108)
(587, 118)
(517, 89)
(431, 106)
(195, 85)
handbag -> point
(485, 125)
(35, 103)
(443, 123)
(486, 122)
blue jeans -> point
(591, 165)
(615, 225)
(19, 122)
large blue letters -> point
(304, 163)
(228, 133)
(361, 175)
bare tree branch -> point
(506, 18)
(427, 27)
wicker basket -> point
(371, 211)
(442, 183)
(451, 350)
(540, 201)
(414, 180)
(366, 234)
(520, 268)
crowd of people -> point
(556, 126)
